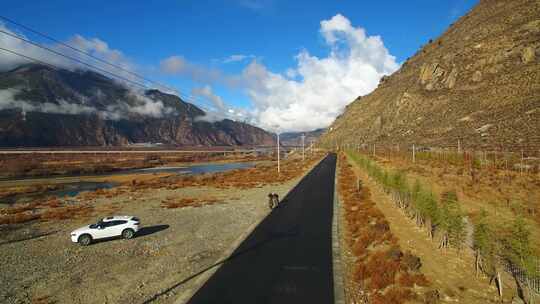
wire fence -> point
(523, 160)
(532, 282)
(529, 281)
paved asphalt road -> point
(288, 257)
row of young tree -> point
(498, 247)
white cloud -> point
(143, 106)
(173, 65)
(304, 97)
(207, 93)
(220, 109)
(313, 93)
(237, 58)
(94, 46)
(7, 101)
(178, 65)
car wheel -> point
(128, 233)
(84, 240)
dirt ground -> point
(41, 265)
(450, 272)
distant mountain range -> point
(295, 138)
(43, 106)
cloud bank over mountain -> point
(311, 94)
(142, 105)
(306, 96)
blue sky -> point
(269, 33)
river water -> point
(74, 188)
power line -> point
(28, 57)
(185, 97)
(73, 59)
(85, 53)
(55, 67)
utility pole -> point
(303, 146)
(278, 169)
(276, 127)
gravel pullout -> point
(41, 265)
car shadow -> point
(144, 231)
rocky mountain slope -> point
(42, 106)
(478, 83)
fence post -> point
(413, 154)
(521, 163)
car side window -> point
(116, 223)
(110, 224)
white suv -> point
(125, 226)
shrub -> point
(411, 262)
(18, 218)
(171, 203)
(381, 270)
(393, 295)
(409, 280)
(19, 209)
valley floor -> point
(186, 230)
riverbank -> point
(27, 189)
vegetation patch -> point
(49, 210)
(498, 247)
(382, 272)
(174, 203)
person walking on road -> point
(273, 200)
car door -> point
(103, 230)
(117, 227)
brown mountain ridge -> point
(478, 83)
(42, 106)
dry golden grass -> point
(69, 212)
(381, 267)
(27, 165)
(41, 300)
(503, 194)
(19, 209)
(48, 210)
(241, 178)
(18, 218)
(173, 203)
